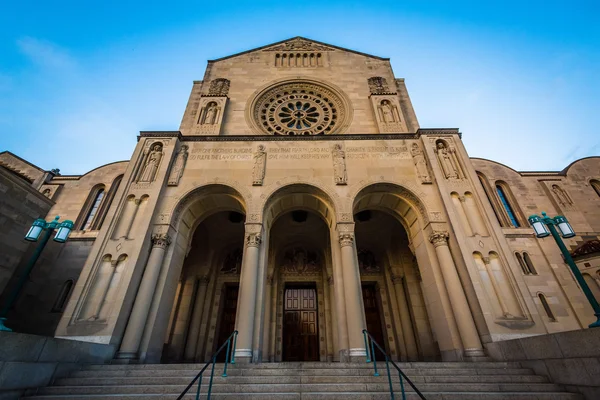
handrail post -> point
(199, 384)
(366, 345)
(212, 374)
(402, 386)
(226, 357)
(235, 333)
(373, 357)
(387, 366)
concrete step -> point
(296, 379)
(301, 388)
(236, 371)
(330, 396)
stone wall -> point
(29, 361)
(571, 358)
(20, 205)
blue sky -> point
(79, 80)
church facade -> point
(300, 203)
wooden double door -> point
(373, 318)
(227, 324)
(300, 324)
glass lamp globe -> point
(36, 228)
(564, 227)
(64, 229)
(538, 226)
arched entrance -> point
(299, 296)
(203, 312)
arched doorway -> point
(387, 220)
(204, 306)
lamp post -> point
(545, 226)
(64, 229)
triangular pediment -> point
(300, 43)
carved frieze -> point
(301, 261)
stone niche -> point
(209, 117)
(387, 113)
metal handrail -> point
(229, 359)
(371, 358)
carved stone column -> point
(458, 300)
(355, 310)
(194, 329)
(405, 320)
(246, 304)
(137, 320)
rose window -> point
(298, 109)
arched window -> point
(91, 207)
(529, 264)
(522, 263)
(488, 193)
(63, 296)
(547, 308)
(110, 196)
(596, 185)
(504, 199)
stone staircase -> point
(331, 381)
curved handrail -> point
(368, 337)
(229, 359)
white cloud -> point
(45, 54)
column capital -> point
(462, 199)
(253, 239)
(439, 238)
(486, 260)
(346, 239)
(161, 240)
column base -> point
(126, 358)
(344, 356)
(243, 356)
(474, 353)
(358, 355)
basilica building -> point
(300, 202)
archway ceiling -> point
(390, 203)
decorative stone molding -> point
(161, 240)
(253, 240)
(439, 239)
(346, 239)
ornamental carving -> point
(562, 196)
(299, 44)
(233, 262)
(219, 87)
(300, 261)
(367, 262)
(439, 238)
(253, 240)
(378, 85)
(260, 161)
(162, 240)
(151, 162)
(420, 163)
(299, 108)
(178, 166)
(346, 239)
(339, 165)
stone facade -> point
(299, 172)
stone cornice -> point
(276, 138)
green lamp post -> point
(545, 226)
(63, 229)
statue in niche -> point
(447, 161)
(563, 198)
(420, 163)
(233, 262)
(46, 192)
(367, 261)
(387, 112)
(300, 261)
(210, 115)
(260, 161)
(178, 166)
(339, 165)
(151, 164)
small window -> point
(507, 207)
(63, 296)
(530, 268)
(522, 263)
(87, 223)
(547, 308)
